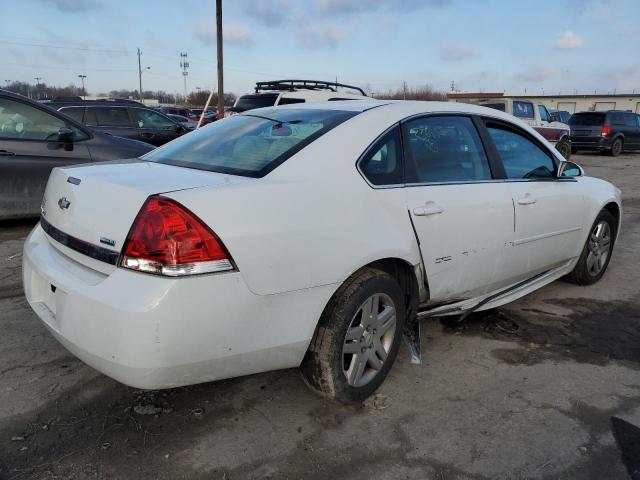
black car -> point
(125, 119)
(612, 131)
(561, 116)
(34, 139)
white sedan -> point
(310, 236)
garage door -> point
(568, 106)
(602, 106)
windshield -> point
(249, 102)
(249, 144)
(589, 119)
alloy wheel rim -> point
(617, 146)
(599, 247)
(368, 340)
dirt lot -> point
(547, 387)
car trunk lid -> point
(87, 211)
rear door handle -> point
(429, 208)
(527, 199)
(5, 153)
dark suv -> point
(125, 119)
(612, 131)
(34, 139)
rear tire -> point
(564, 147)
(597, 250)
(616, 147)
(357, 338)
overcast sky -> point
(489, 45)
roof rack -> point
(293, 85)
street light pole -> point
(37, 79)
(140, 74)
(220, 64)
(84, 92)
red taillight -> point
(606, 130)
(167, 239)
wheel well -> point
(614, 210)
(405, 275)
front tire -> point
(357, 338)
(564, 147)
(596, 253)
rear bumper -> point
(591, 143)
(152, 332)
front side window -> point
(108, 116)
(74, 112)
(523, 110)
(249, 145)
(544, 114)
(445, 149)
(382, 164)
(522, 159)
(150, 119)
(20, 121)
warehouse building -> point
(571, 103)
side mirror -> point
(570, 170)
(65, 135)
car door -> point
(461, 211)
(155, 128)
(29, 149)
(114, 120)
(548, 210)
(632, 130)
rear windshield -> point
(249, 102)
(249, 144)
(589, 119)
(495, 106)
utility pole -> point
(84, 92)
(140, 73)
(404, 90)
(37, 79)
(184, 65)
(453, 86)
(220, 64)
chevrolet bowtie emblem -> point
(63, 203)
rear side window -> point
(617, 118)
(523, 110)
(522, 159)
(382, 164)
(630, 120)
(289, 101)
(445, 149)
(150, 119)
(110, 116)
(249, 145)
(587, 119)
(249, 102)
(74, 112)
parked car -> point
(34, 139)
(280, 237)
(561, 116)
(286, 92)
(126, 120)
(186, 122)
(185, 112)
(612, 131)
(536, 115)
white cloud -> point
(271, 13)
(334, 7)
(456, 51)
(568, 40)
(76, 6)
(234, 34)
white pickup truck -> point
(536, 115)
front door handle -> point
(527, 199)
(5, 153)
(429, 208)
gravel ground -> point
(547, 387)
